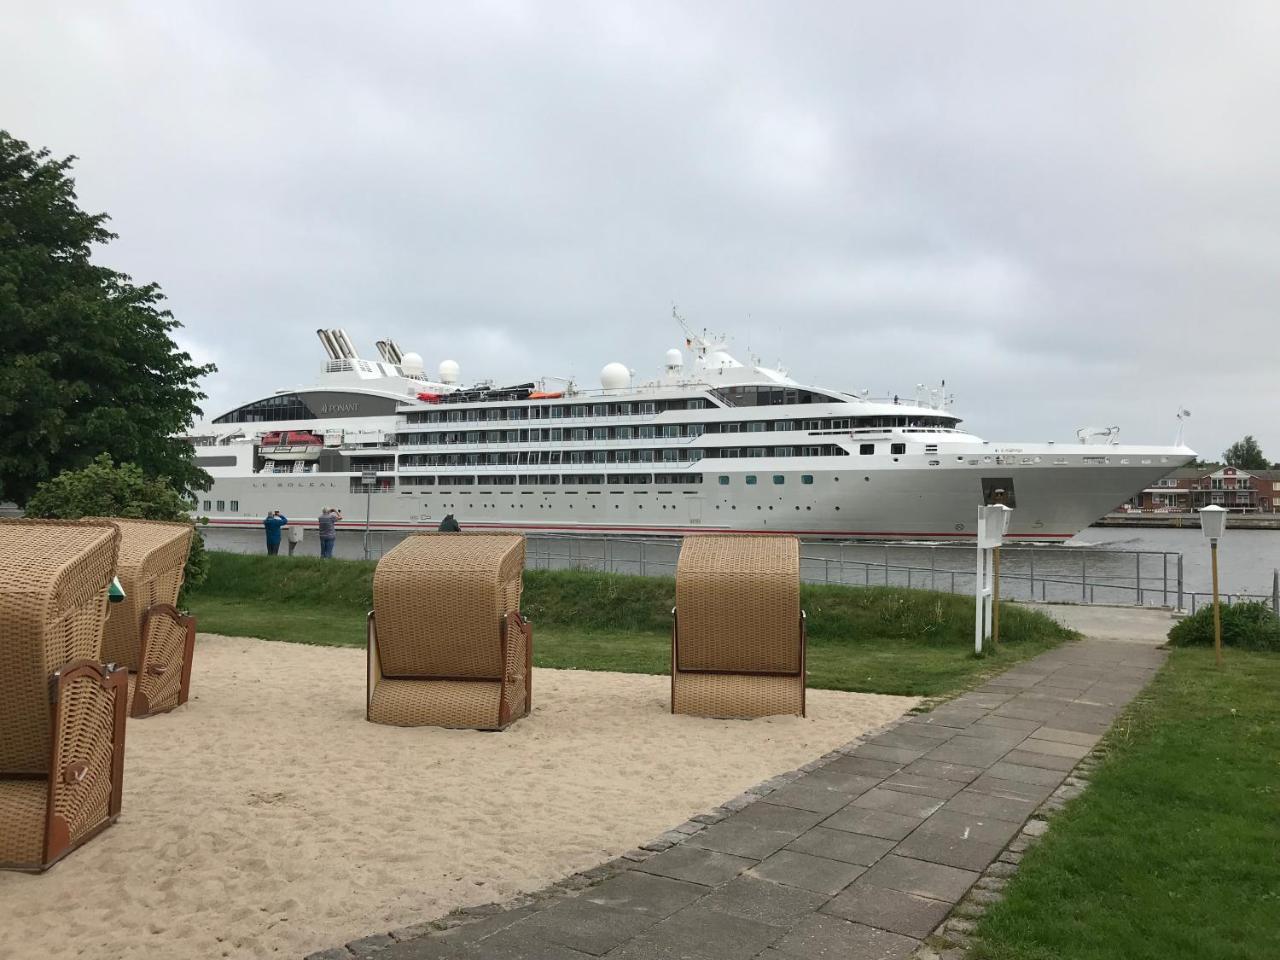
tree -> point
(1245, 455)
(87, 361)
(103, 489)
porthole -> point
(868, 479)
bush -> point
(104, 489)
(1249, 626)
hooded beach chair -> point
(447, 646)
(62, 713)
(146, 632)
(738, 637)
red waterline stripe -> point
(355, 525)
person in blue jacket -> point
(275, 520)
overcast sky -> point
(1071, 212)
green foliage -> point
(1250, 626)
(103, 489)
(88, 364)
(1171, 852)
(1245, 455)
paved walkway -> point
(858, 859)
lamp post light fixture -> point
(1213, 523)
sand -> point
(267, 819)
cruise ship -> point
(712, 444)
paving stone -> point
(898, 755)
(1036, 828)
(903, 913)
(742, 839)
(819, 796)
(969, 826)
(986, 897)
(970, 751)
(508, 945)
(903, 738)
(820, 937)
(892, 801)
(645, 893)
(863, 766)
(699, 933)
(1009, 723)
(1044, 761)
(933, 880)
(1012, 809)
(967, 854)
(684, 862)
(1023, 774)
(992, 734)
(819, 874)
(771, 817)
(923, 727)
(1076, 751)
(942, 770)
(840, 845)
(874, 823)
(1002, 869)
(996, 786)
(923, 786)
(584, 925)
(333, 953)
(754, 899)
(852, 784)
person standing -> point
(329, 518)
(273, 523)
(295, 537)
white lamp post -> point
(1213, 523)
(993, 524)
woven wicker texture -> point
(153, 554)
(469, 704)
(736, 696)
(23, 804)
(53, 605)
(87, 717)
(738, 599)
(440, 598)
(160, 679)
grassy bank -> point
(875, 639)
(1172, 852)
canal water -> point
(1102, 565)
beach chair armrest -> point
(86, 768)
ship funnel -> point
(344, 341)
(381, 347)
(329, 346)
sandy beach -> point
(268, 819)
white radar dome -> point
(675, 359)
(615, 376)
(449, 371)
(411, 363)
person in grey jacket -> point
(329, 518)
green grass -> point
(873, 639)
(1174, 851)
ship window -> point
(807, 479)
(646, 432)
(897, 448)
(751, 480)
(756, 426)
(779, 479)
(648, 406)
(235, 506)
(671, 430)
(208, 504)
(222, 506)
(724, 481)
(599, 410)
(867, 449)
(696, 404)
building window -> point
(235, 506)
(807, 479)
(751, 480)
(724, 481)
(897, 448)
(867, 449)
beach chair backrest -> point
(153, 557)
(439, 600)
(738, 604)
(53, 605)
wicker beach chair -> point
(146, 632)
(738, 638)
(447, 646)
(62, 713)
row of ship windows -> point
(586, 479)
(222, 505)
(667, 455)
(648, 431)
